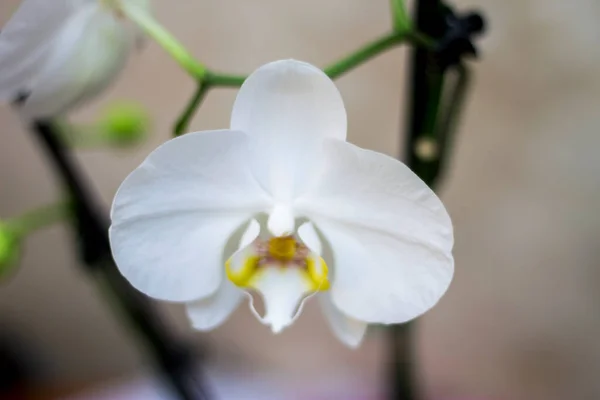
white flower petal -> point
(390, 235)
(310, 237)
(177, 257)
(288, 107)
(209, 313)
(250, 234)
(173, 215)
(84, 58)
(289, 98)
(26, 38)
(283, 291)
(197, 171)
(349, 330)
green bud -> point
(125, 123)
(9, 249)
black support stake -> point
(174, 360)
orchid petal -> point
(173, 215)
(349, 330)
(25, 41)
(250, 234)
(310, 237)
(84, 58)
(210, 312)
(390, 235)
(288, 107)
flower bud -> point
(124, 124)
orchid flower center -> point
(285, 272)
(282, 248)
(282, 253)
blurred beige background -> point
(521, 320)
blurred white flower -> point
(283, 205)
(60, 53)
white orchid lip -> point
(283, 270)
(373, 245)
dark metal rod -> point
(455, 93)
(426, 81)
(402, 377)
(173, 359)
(425, 85)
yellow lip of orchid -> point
(278, 252)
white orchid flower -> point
(282, 205)
(60, 53)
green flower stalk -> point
(14, 231)
(401, 19)
(10, 248)
(165, 39)
(121, 125)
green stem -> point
(82, 137)
(165, 39)
(217, 79)
(363, 54)
(213, 79)
(184, 120)
(335, 70)
(40, 218)
(400, 17)
(419, 39)
(210, 79)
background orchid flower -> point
(60, 53)
(282, 205)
